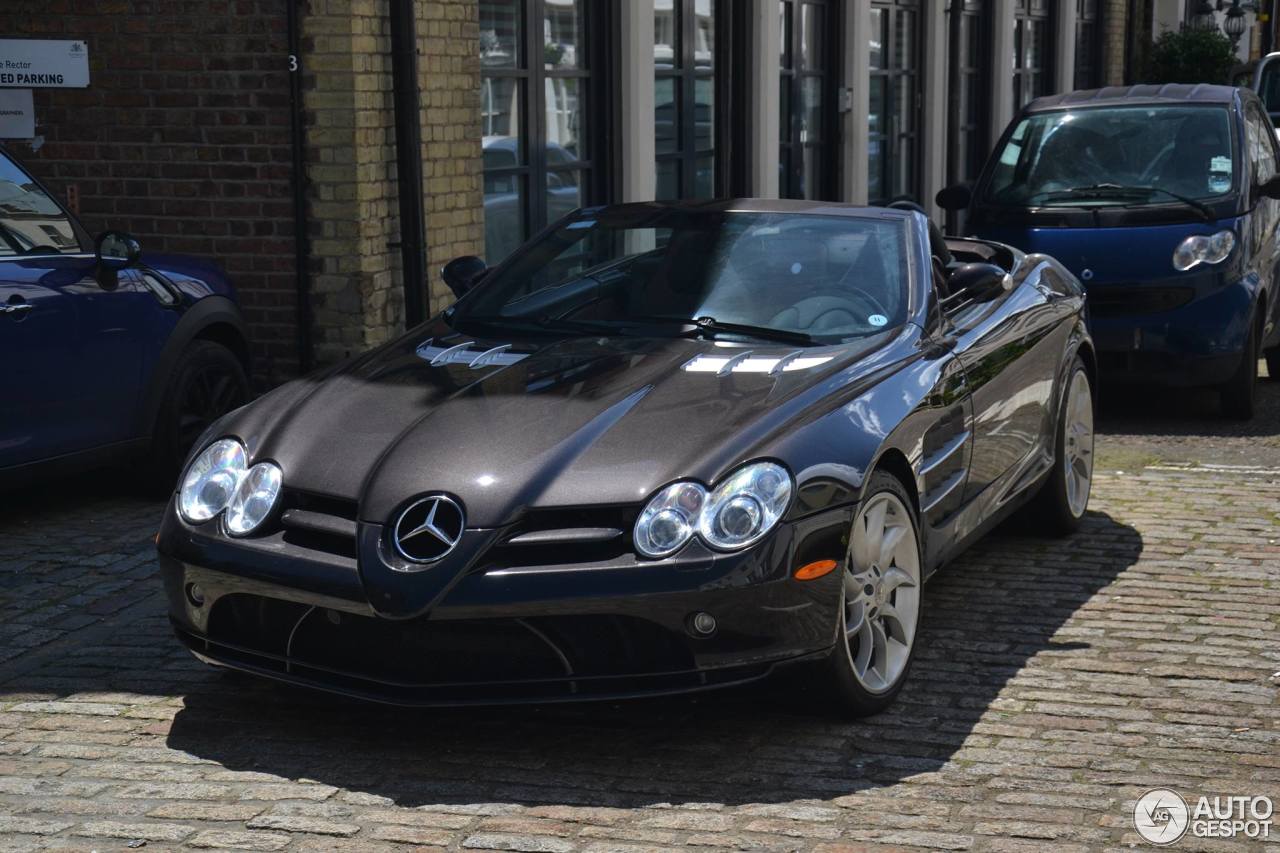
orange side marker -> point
(815, 570)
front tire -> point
(208, 382)
(879, 601)
(1239, 394)
(1064, 498)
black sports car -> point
(662, 448)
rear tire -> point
(1064, 498)
(881, 590)
(1239, 394)
(208, 382)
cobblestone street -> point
(1055, 683)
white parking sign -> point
(43, 64)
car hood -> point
(511, 425)
(1109, 255)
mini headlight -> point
(745, 507)
(669, 519)
(211, 480)
(1202, 249)
(254, 498)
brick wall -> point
(182, 139)
(449, 70)
(1114, 33)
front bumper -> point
(1199, 342)
(612, 628)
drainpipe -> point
(404, 83)
(298, 141)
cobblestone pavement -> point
(1055, 683)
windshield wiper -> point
(703, 326)
(1122, 191)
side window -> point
(30, 221)
(1262, 146)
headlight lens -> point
(211, 480)
(669, 519)
(254, 498)
(744, 508)
(1201, 249)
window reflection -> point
(684, 98)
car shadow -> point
(1153, 411)
(987, 617)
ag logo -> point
(1161, 816)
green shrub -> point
(1190, 55)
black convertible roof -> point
(1195, 93)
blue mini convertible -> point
(1162, 201)
(106, 353)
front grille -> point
(319, 522)
(1115, 301)
(445, 659)
(563, 536)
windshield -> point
(1117, 155)
(643, 270)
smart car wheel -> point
(879, 601)
(1240, 391)
(1064, 497)
(1273, 364)
(208, 382)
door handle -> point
(17, 308)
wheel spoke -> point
(899, 627)
(895, 577)
(854, 619)
(866, 649)
(880, 642)
(893, 537)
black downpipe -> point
(298, 141)
(404, 82)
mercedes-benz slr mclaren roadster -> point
(661, 448)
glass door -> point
(534, 108)
(1031, 59)
(894, 116)
(806, 112)
(1088, 45)
(969, 112)
(684, 98)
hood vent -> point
(470, 353)
(748, 362)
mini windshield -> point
(1118, 155)
(643, 270)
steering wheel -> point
(832, 310)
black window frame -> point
(1042, 12)
(597, 85)
(1088, 43)
(890, 139)
(792, 76)
(686, 75)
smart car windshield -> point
(655, 270)
(1118, 155)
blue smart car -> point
(107, 354)
(1163, 201)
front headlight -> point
(1201, 249)
(211, 480)
(740, 511)
(254, 498)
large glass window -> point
(684, 98)
(894, 118)
(1031, 63)
(534, 96)
(30, 221)
(806, 112)
(1088, 45)
(1117, 155)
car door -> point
(1010, 358)
(1264, 219)
(70, 353)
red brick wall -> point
(182, 139)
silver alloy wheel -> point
(1077, 455)
(881, 592)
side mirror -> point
(1271, 188)
(114, 251)
(976, 282)
(464, 273)
(954, 197)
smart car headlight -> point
(254, 498)
(669, 519)
(745, 507)
(211, 480)
(1201, 249)
(738, 513)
